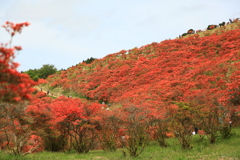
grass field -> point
(202, 150)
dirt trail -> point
(47, 92)
(51, 94)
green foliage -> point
(46, 70)
(43, 72)
(33, 73)
(183, 122)
(89, 60)
(183, 105)
(226, 131)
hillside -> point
(152, 94)
(173, 70)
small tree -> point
(89, 60)
(136, 124)
(213, 122)
(46, 70)
(160, 133)
(76, 118)
(54, 135)
(183, 120)
(159, 122)
(16, 126)
(15, 88)
(108, 132)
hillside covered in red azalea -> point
(202, 68)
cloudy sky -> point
(66, 32)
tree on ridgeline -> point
(33, 73)
(89, 60)
(46, 70)
(41, 73)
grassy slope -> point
(222, 149)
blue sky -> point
(66, 32)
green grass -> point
(202, 149)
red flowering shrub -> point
(41, 94)
(15, 87)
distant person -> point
(196, 130)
